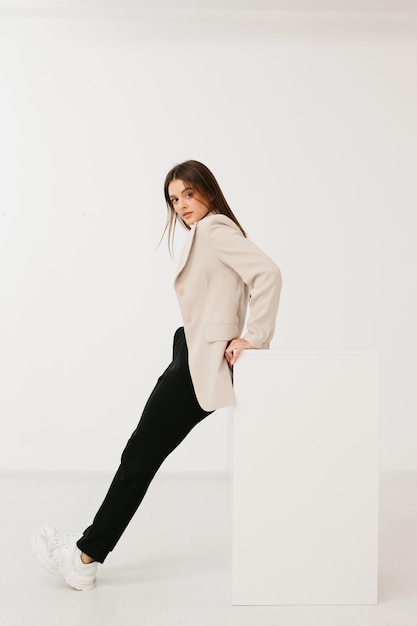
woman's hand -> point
(234, 349)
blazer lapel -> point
(185, 250)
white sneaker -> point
(59, 555)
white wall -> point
(308, 121)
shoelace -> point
(58, 537)
(61, 546)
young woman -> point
(220, 272)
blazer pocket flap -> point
(220, 332)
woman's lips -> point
(187, 214)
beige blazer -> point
(219, 273)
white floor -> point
(172, 565)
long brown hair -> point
(202, 179)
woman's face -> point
(187, 202)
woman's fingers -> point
(234, 349)
(231, 355)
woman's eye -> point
(188, 195)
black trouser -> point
(170, 413)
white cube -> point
(305, 478)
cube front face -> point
(305, 478)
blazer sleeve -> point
(258, 271)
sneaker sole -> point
(79, 583)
